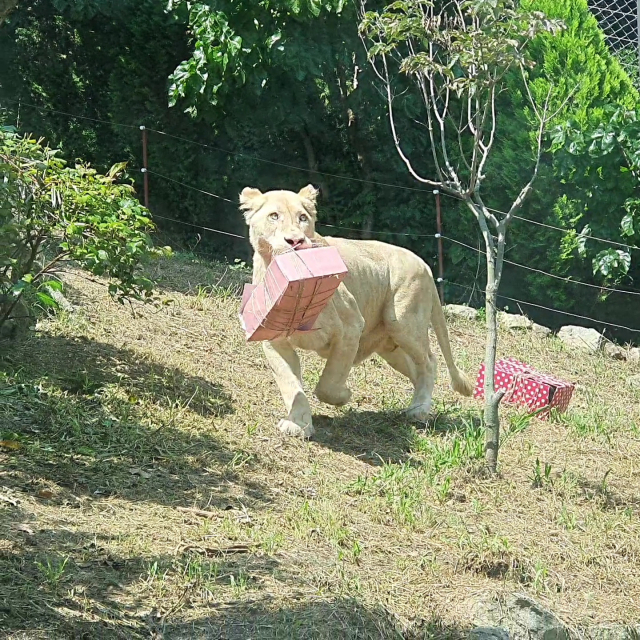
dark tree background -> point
(278, 93)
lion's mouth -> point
(279, 250)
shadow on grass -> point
(607, 495)
(373, 436)
(100, 421)
(337, 618)
(62, 584)
(378, 437)
(187, 273)
(84, 367)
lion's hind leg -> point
(423, 377)
(407, 320)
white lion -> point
(385, 305)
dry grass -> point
(376, 529)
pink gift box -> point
(526, 386)
(296, 288)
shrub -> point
(52, 214)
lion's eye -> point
(273, 216)
(304, 218)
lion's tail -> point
(459, 380)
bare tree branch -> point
(432, 139)
(394, 132)
(486, 149)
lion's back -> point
(377, 270)
(374, 260)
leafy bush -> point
(51, 214)
(604, 161)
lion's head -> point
(279, 220)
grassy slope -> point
(376, 524)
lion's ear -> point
(250, 200)
(309, 193)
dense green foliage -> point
(274, 84)
(578, 60)
(51, 213)
(602, 165)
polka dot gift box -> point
(526, 386)
(296, 288)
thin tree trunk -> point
(357, 145)
(6, 7)
(491, 399)
(494, 275)
(312, 161)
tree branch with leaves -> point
(456, 56)
(51, 214)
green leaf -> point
(581, 240)
(612, 263)
(54, 285)
(315, 7)
(46, 300)
(608, 141)
(627, 225)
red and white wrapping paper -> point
(296, 288)
(526, 386)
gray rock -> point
(61, 301)
(614, 351)
(513, 321)
(612, 632)
(461, 311)
(18, 324)
(522, 616)
(634, 355)
(540, 331)
(633, 382)
(581, 338)
(488, 633)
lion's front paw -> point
(336, 396)
(292, 429)
(420, 412)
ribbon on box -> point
(538, 391)
(296, 287)
(286, 327)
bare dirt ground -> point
(145, 491)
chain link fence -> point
(620, 21)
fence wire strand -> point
(306, 170)
(599, 9)
(288, 166)
(187, 186)
(539, 306)
(545, 273)
(67, 114)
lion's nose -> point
(296, 242)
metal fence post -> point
(145, 172)
(440, 250)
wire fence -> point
(620, 21)
(549, 309)
(147, 171)
(479, 289)
(305, 170)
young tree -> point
(456, 55)
(52, 214)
